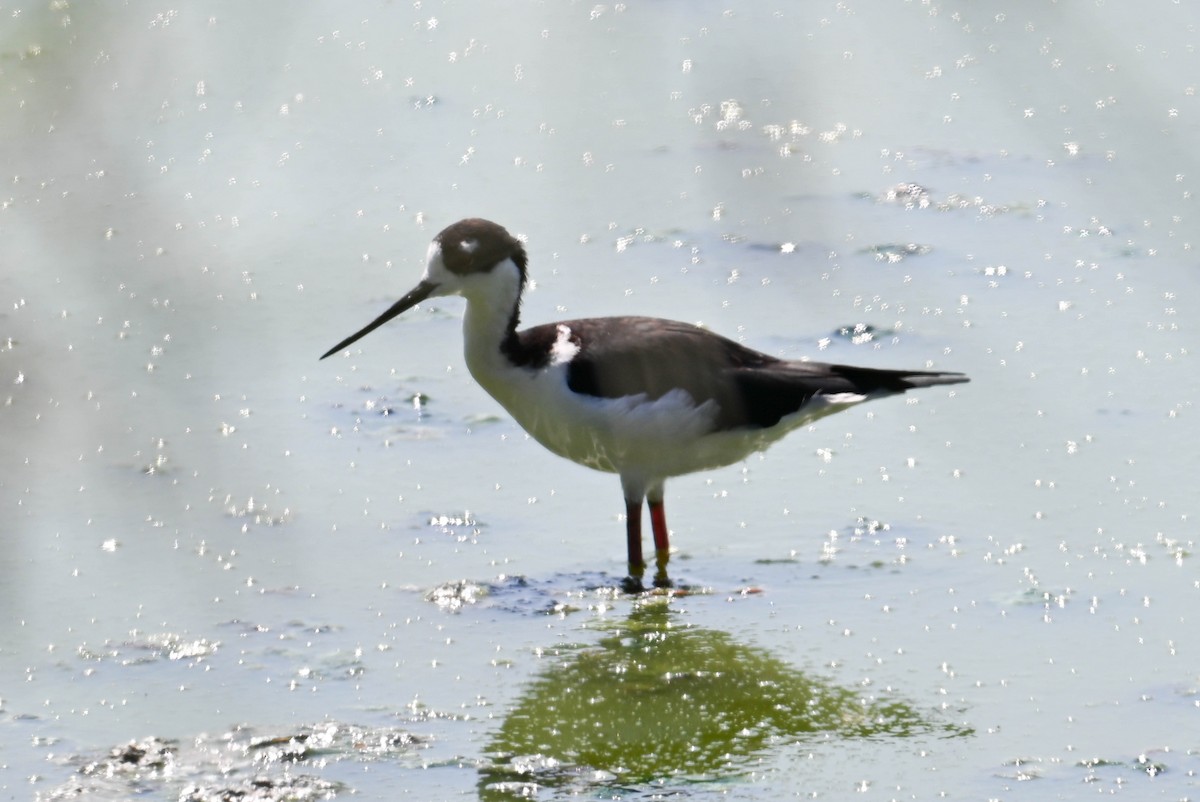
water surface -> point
(359, 576)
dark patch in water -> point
(235, 765)
(911, 196)
(862, 333)
(896, 252)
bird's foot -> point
(661, 557)
(635, 586)
(632, 585)
(635, 582)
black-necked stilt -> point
(640, 397)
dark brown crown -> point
(476, 245)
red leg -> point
(662, 543)
(658, 522)
(633, 535)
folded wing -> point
(627, 356)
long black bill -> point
(415, 296)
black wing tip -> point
(873, 380)
(931, 379)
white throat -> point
(491, 299)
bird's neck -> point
(490, 323)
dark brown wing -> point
(622, 356)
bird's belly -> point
(608, 434)
(667, 436)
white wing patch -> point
(563, 350)
(841, 399)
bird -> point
(642, 397)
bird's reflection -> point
(658, 700)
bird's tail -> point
(876, 380)
(928, 378)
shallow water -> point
(358, 576)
